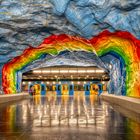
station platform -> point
(13, 97)
(129, 103)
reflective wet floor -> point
(66, 118)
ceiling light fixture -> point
(36, 71)
(81, 71)
(54, 71)
(64, 71)
(45, 71)
(100, 71)
(72, 71)
(90, 71)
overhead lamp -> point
(103, 82)
(54, 71)
(72, 71)
(45, 71)
(81, 71)
(72, 82)
(90, 71)
(23, 83)
(63, 71)
(99, 71)
(110, 66)
(36, 71)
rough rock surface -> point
(28, 22)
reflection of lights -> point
(42, 82)
(84, 82)
(53, 82)
(72, 82)
(72, 110)
(48, 82)
(78, 82)
(29, 82)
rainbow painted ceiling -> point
(120, 43)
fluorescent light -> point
(63, 71)
(91, 71)
(37, 71)
(72, 71)
(54, 71)
(45, 71)
(99, 71)
(81, 71)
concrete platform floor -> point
(65, 118)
